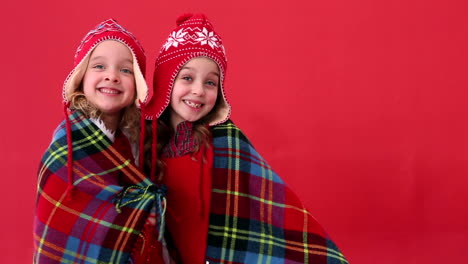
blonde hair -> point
(130, 121)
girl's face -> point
(108, 83)
(195, 91)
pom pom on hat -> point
(182, 18)
(194, 36)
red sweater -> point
(188, 181)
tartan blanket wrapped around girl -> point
(254, 216)
(98, 217)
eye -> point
(212, 83)
(98, 66)
(127, 71)
(187, 78)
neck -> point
(175, 120)
(174, 124)
(111, 120)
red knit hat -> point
(108, 30)
(193, 37)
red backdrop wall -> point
(359, 105)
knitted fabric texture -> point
(254, 216)
(193, 37)
(108, 207)
(108, 30)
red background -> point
(359, 105)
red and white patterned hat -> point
(108, 30)
(193, 37)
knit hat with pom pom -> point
(193, 37)
(108, 30)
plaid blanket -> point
(254, 216)
(99, 220)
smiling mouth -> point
(192, 104)
(109, 90)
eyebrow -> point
(191, 68)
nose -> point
(198, 89)
(113, 76)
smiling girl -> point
(225, 204)
(94, 204)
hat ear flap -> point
(74, 79)
(143, 94)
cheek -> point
(178, 92)
(132, 87)
(88, 83)
(86, 87)
(174, 99)
(212, 96)
(130, 82)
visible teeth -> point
(108, 91)
(189, 103)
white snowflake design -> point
(175, 38)
(206, 37)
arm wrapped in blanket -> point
(98, 216)
(254, 216)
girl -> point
(94, 205)
(225, 203)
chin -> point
(112, 111)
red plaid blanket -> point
(102, 217)
(254, 216)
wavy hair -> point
(130, 121)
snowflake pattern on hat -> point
(207, 37)
(195, 36)
(174, 39)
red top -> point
(188, 181)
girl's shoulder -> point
(226, 128)
(227, 131)
(82, 128)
